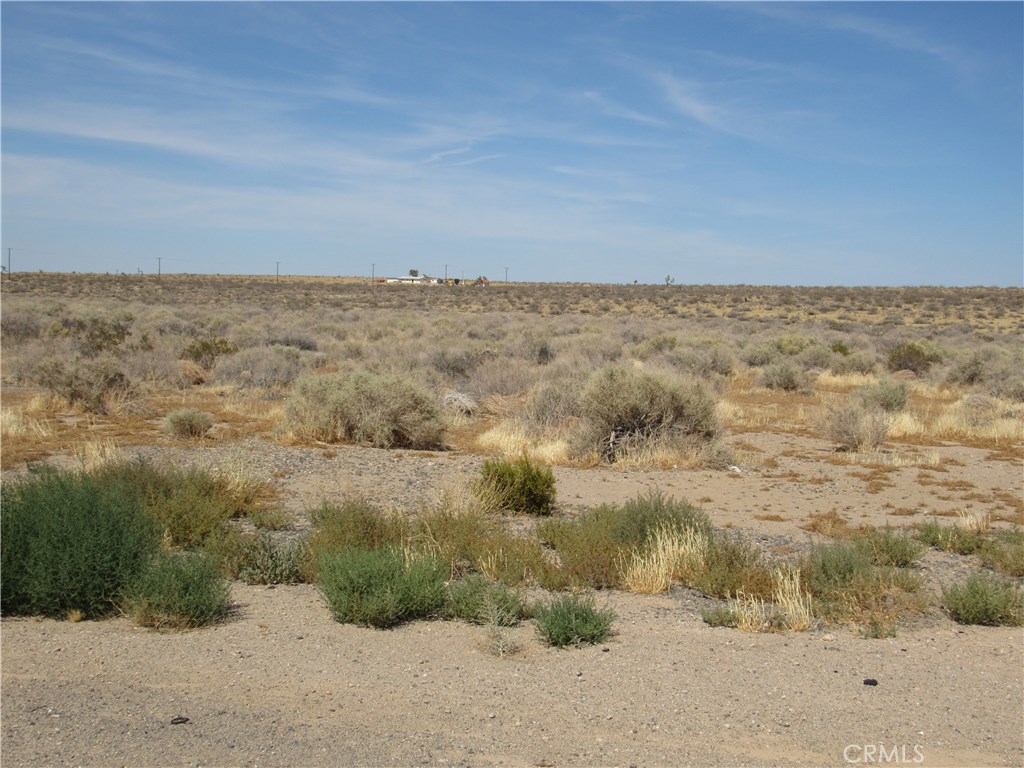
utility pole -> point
(158, 269)
(506, 275)
(446, 274)
(277, 271)
(9, 261)
(373, 274)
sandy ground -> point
(281, 684)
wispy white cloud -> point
(615, 109)
(893, 35)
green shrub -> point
(732, 567)
(840, 348)
(188, 422)
(479, 600)
(382, 411)
(572, 620)
(206, 350)
(856, 428)
(269, 368)
(191, 513)
(951, 538)
(354, 523)
(887, 395)
(1005, 553)
(375, 588)
(856, 362)
(887, 547)
(783, 376)
(626, 408)
(521, 485)
(985, 599)
(178, 590)
(968, 372)
(70, 543)
(916, 356)
(836, 566)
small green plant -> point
(521, 485)
(188, 422)
(985, 599)
(951, 538)
(376, 588)
(887, 547)
(178, 590)
(1005, 553)
(573, 620)
(478, 600)
(70, 542)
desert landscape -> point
(797, 510)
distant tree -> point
(669, 280)
(414, 273)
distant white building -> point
(410, 280)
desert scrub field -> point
(531, 376)
(568, 374)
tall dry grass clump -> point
(674, 554)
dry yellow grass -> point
(672, 555)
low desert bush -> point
(985, 599)
(188, 422)
(789, 610)
(205, 351)
(521, 485)
(731, 567)
(355, 522)
(383, 411)
(951, 538)
(572, 620)
(377, 588)
(86, 382)
(783, 376)
(478, 600)
(268, 368)
(594, 548)
(626, 409)
(178, 590)
(916, 356)
(857, 362)
(70, 542)
(1004, 552)
(263, 560)
(886, 394)
(887, 547)
(856, 428)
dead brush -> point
(17, 424)
(97, 454)
(975, 521)
(674, 553)
(790, 608)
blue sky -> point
(772, 143)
